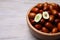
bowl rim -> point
(34, 29)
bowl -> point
(41, 35)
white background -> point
(13, 24)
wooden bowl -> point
(39, 34)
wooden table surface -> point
(13, 24)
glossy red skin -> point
(49, 25)
(54, 12)
(38, 26)
(32, 21)
(42, 21)
(45, 6)
(41, 11)
(55, 30)
(32, 15)
(58, 15)
(39, 5)
(57, 20)
(51, 18)
(44, 29)
(35, 10)
(58, 25)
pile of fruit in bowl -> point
(45, 17)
